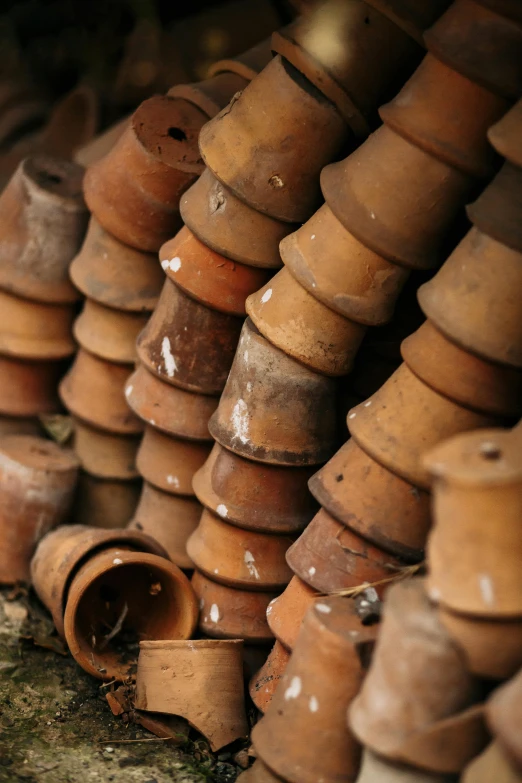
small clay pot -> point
(247, 64)
(104, 454)
(324, 674)
(503, 709)
(405, 419)
(138, 594)
(252, 495)
(167, 408)
(273, 409)
(202, 681)
(284, 132)
(108, 333)
(31, 330)
(286, 612)
(229, 226)
(16, 425)
(239, 558)
(38, 478)
(505, 134)
(226, 613)
(374, 502)
(258, 773)
(105, 503)
(207, 276)
(92, 390)
(169, 463)
(497, 210)
(493, 764)
(410, 16)
(115, 274)
(29, 388)
(377, 769)
(42, 222)
(134, 191)
(187, 344)
(210, 95)
(303, 327)
(263, 684)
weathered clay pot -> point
(273, 409)
(18, 425)
(410, 16)
(229, 226)
(303, 327)
(404, 420)
(247, 64)
(32, 330)
(284, 132)
(105, 503)
(252, 495)
(108, 333)
(188, 344)
(169, 519)
(200, 680)
(207, 276)
(134, 191)
(93, 391)
(115, 274)
(492, 764)
(210, 95)
(323, 676)
(139, 594)
(104, 454)
(263, 684)
(258, 773)
(474, 566)
(497, 210)
(285, 613)
(169, 409)
(169, 463)
(377, 769)
(505, 134)
(239, 558)
(503, 710)
(374, 502)
(38, 478)
(29, 388)
(226, 613)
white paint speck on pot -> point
(267, 296)
(311, 570)
(174, 264)
(313, 236)
(313, 704)
(367, 404)
(168, 359)
(240, 421)
(117, 561)
(222, 510)
(323, 608)
(245, 356)
(294, 689)
(250, 564)
(214, 613)
(128, 390)
(486, 589)
(352, 415)
(250, 386)
(173, 481)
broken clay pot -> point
(492, 764)
(32, 330)
(104, 454)
(285, 613)
(210, 95)
(504, 135)
(108, 333)
(503, 709)
(264, 683)
(29, 388)
(105, 503)
(169, 463)
(497, 210)
(377, 769)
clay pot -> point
(38, 478)
(341, 272)
(167, 408)
(92, 390)
(207, 276)
(200, 680)
(474, 566)
(31, 330)
(105, 503)
(104, 454)
(505, 134)
(187, 344)
(159, 600)
(503, 711)
(277, 153)
(42, 222)
(263, 684)
(405, 419)
(108, 333)
(376, 769)
(492, 764)
(226, 613)
(329, 557)
(168, 519)
(29, 388)
(16, 425)
(115, 274)
(497, 210)
(273, 409)
(481, 276)
(410, 16)
(169, 463)
(303, 327)
(247, 64)
(323, 676)
(210, 95)
(374, 502)
(255, 496)
(285, 613)
(134, 191)
(258, 773)
(396, 199)
(229, 226)
(239, 558)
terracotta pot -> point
(264, 683)
(474, 566)
(29, 388)
(207, 276)
(104, 454)
(286, 612)
(303, 327)
(16, 425)
(374, 502)
(503, 710)
(187, 344)
(160, 604)
(105, 503)
(255, 496)
(42, 222)
(115, 274)
(404, 420)
(411, 16)
(226, 613)
(376, 769)
(273, 409)
(258, 773)
(153, 162)
(168, 519)
(200, 680)
(108, 333)
(330, 557)
(61, 553)
(396, 199)
(167, 408)
(277, 153)
(323, 676)
(497, 210)
(492, 764)
(229, 226)
(481, 44)
(31, 330)
(38, 478)
(247, 64)
(239, 558)
(505, 134)
(210, 95)
(341, 272)
(92, 390)
(169, 463)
